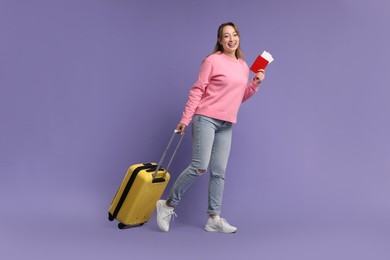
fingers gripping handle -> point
(175, 132)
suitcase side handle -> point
(175, 132)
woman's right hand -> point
(180, 128)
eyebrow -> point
(228, 33)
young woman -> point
(212, 105)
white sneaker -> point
(164, 215)
(218, 224)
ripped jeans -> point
(211, 141)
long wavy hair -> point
(218, 47)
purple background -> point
(90, 87)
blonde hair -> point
(218, 47)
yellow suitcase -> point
(142, 187)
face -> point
(230, 40)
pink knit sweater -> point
(221, 87)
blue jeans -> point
(211, 141)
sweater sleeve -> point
(196, 92)
(250, 90)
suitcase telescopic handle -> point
(175, 132)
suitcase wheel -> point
(122, 226)
(110, 217)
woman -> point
(213, 103)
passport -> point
(261, 61)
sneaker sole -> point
(209, 229)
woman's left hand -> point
(259, 77)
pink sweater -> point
(221, 87)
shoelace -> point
(171, 215)
(223, 222)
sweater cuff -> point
(254, 85)
(185, 121)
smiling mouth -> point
(232, 45)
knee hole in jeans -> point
(222, 177)
(199, 171)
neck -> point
(231, 55)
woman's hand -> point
(180, 128)
(259, 77)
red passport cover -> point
(259, 63)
